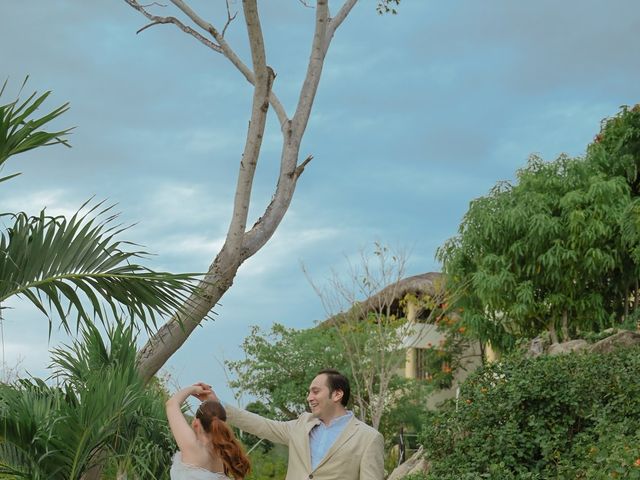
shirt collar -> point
(340, 419)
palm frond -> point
(19, 132)
(101, 409)
(76, 363)
(14, 461)
(60, 263)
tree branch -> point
(300, 168)
(222, 48)
(314, 69)
(264, 228)
(228, 52)
(156, 20)
(264, 78)
(230, 18)
(335, 22)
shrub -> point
(571, 416)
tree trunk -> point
(565, 326)
(625, 310)
(241, 244)
(552, 332)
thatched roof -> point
(390, 296)
(418, 285)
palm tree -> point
(77, 264)
(99, 415)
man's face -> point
(323, 404)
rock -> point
(625, 338)
(422, 466)
(537, 347)
(567, 347)
(407, 467)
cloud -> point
(56, 201)
(416, 115)
(287, 244)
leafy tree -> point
(615, 152)
(616, 149)
(280, 364)
(546, 252)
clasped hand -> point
(203, 392)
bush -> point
(574, 416)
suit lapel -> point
(305, 441)
(349, 430)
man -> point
(327, 444)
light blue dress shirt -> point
(322, 437)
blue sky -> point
(417, 114)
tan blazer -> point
(357, 454)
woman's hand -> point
(204, 392)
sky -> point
(417, 114)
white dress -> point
(184, 471)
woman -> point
(208, 449)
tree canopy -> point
(557, 248)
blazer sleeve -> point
(277, 432)
(372, 462)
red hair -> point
(212, 416)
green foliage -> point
(406, 409)
(557, 249)
(616, 149)
(57, 263)
(270, 465)
(251, 441)
(569, 416)
(280, 365)
(61, 264)
(100, 411)
(20, 133)
(387, 6)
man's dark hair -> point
(337, 381)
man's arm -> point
(272, 430)
(277, 432)
(372, 461)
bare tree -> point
(242, 242)
(367, 307)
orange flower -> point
(637, 462)
(462, 329)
